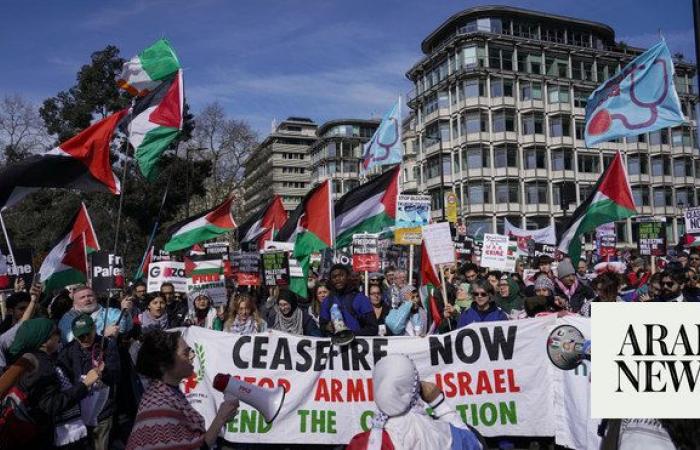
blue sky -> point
(265, 60)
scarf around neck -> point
(148, 321)
(249, 326)
(294, 324)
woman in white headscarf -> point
(402, 423)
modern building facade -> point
(280, 165)
(499, 104)
(337, 152)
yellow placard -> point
(408, 236)
(451, 202)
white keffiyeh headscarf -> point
(401, 411)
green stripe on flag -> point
(598, 213)
(298, 284)
(374, 224)
(159, 60)
(59, 280)
(154, 144)
(189, 238)
(307, 243)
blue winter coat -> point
(472, 314)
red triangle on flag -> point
(318, 213)
(75, 255)
(274, 219)
(615, 185)
(169, 112)
(83, 226)
(221, 217)
(391, 195)
(427, 269)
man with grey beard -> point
(84, 301)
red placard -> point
(365, 262)
(248, 279)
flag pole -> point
(7, 239)
(122, 186)
(156, 225)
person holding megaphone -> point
(165, 419)
(355, 308)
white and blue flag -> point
(640, 99)
(385, 146)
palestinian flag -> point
(203, 268)
(154, 122)
(430, 281)
(611, 200)
(369, 208)
(82, 162)
(311, 228)
(144, 72)
(262, 226)
(199, 228)
(142, 271)
(66, 263)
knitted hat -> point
(543, 282)
(31, 335)
(565, 268)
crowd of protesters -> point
(82, 372)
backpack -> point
(16, 425)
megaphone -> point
(567, 347)
(343, 335)
(267, 401)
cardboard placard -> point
(276, 268)
(245, 268)
(408, 236)
(494, 254)
(692, 220)
(22, 268)
(651, 237)
(412, 211)
(438, 243)
(167, 272)
(106, 271)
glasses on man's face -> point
(480, 294)
(694, 258)
(669, 284)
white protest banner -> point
(494, 254)
(279, 245)
(412, 211)
(496, 375)
(438, 243)
(206, 277)
(692, 220)
(167, 272)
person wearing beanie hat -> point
(544, 286)
(286, 316)
(401, 421)
(355, 307)
(569, 292)
(47, 399)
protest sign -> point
(408, 236)
(365, 256)
(205, 276)
(692, 220)
(167, 272)
(106, 271)
(276, 268)
(438, 243)
(451, 207)
(279, 245)
(651, 240)
(22, 268)
(246, 268)
(606, 240)
(496, 375)
(412, 211)
(494, 254)
(218, 249)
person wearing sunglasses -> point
(691, 288)
(483, 307)
(671, 287)
(84, 353)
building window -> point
(606, 70)
(479, 193)
(535, 158)
(500, 58)
(535, 193)
(559, 126)
(507, 191)
(503, 120)
(580, 129)
(530, 90)
(660, 166)
(585, 191)
(662, 197)
(658, 137)
(476, 122)
(588, 164)
(476, 158)
(501, 87)
(562, 159)
(682, 167)
(680, 137)
(581, 98)
(532, 123)
(474, 87)
(505, 156)
(473, 56)
(557, 94)
(640, 194)
(530, 62)
(642, 138)
(637, 165)
(557, 66)
(582, 70)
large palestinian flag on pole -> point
(154, 122)
(66, 263)
(82, 162)
(144, 72)
(311, 228)
(199, 228)
(611, 200)
(369, 208)
(264, 224)
(429, 281)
